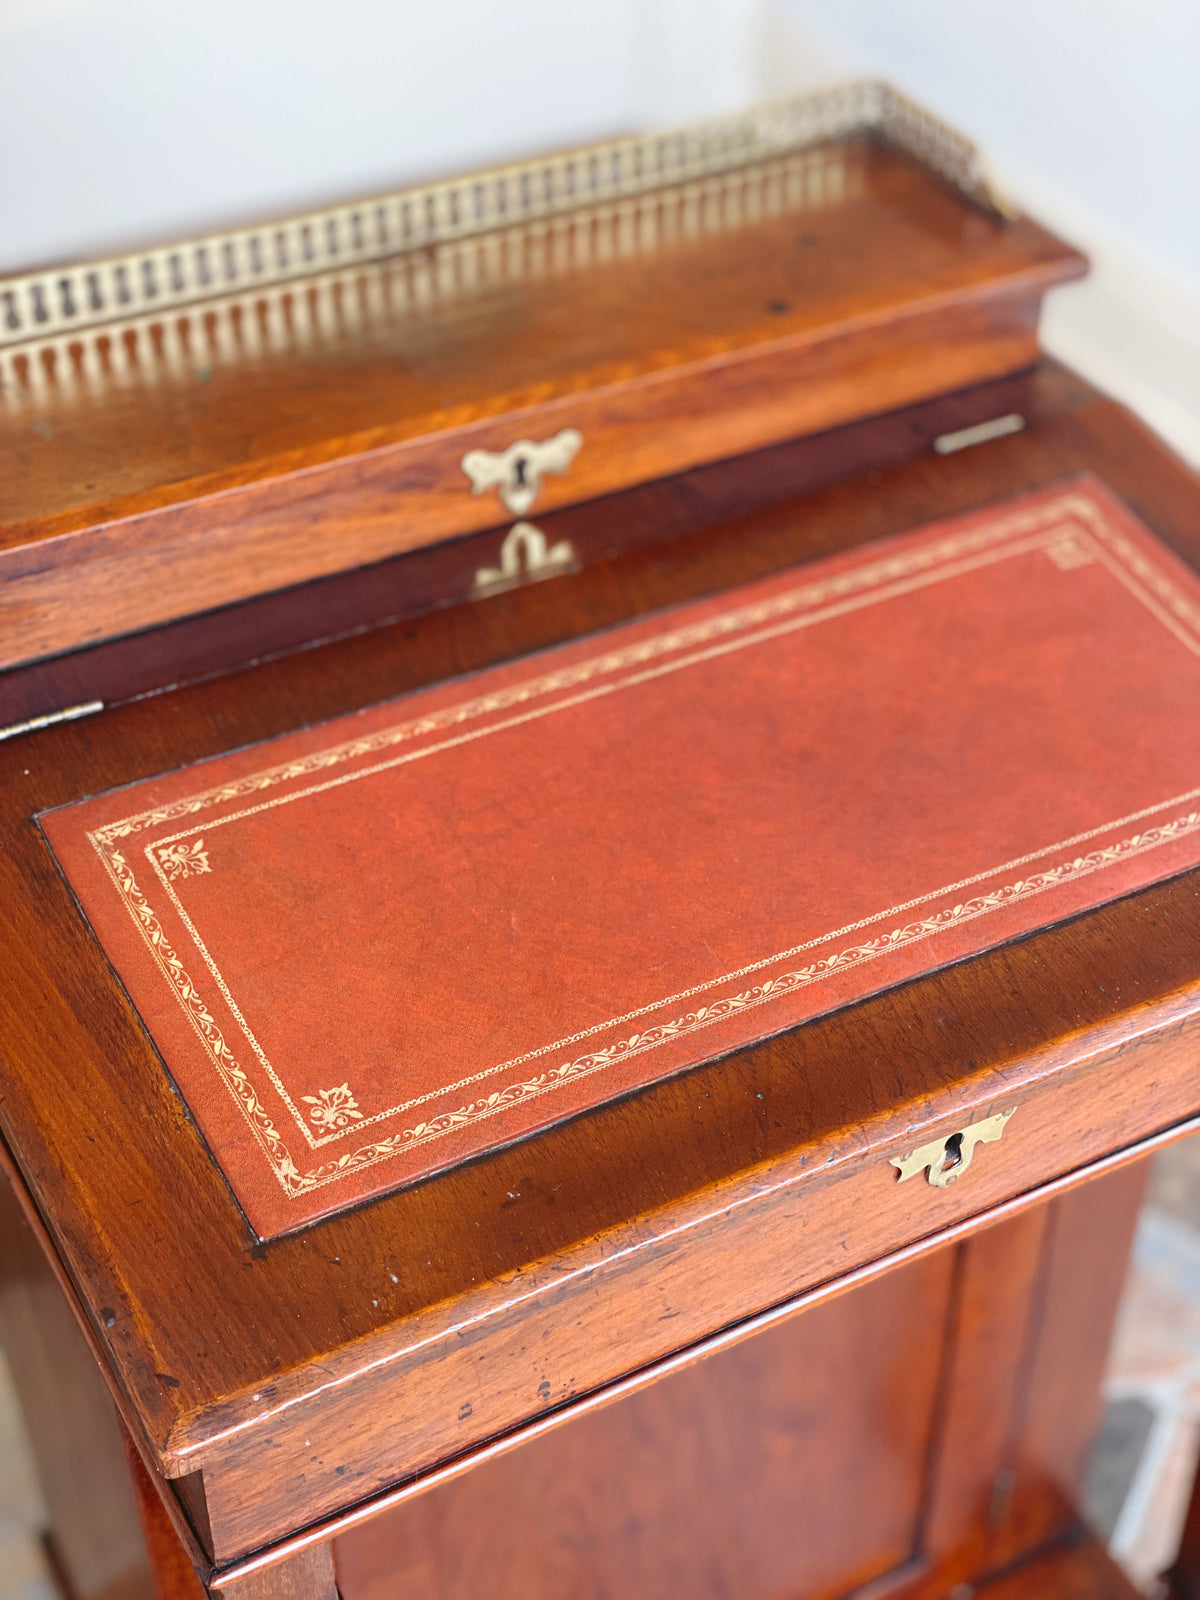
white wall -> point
(123, 121)
(1089, 114)
(1098, 98)
(126, 121)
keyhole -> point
(519, 463)
(953, 1157)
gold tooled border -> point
(732, 630)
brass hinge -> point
(69, 714)
(525, 556)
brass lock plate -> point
(945, 1160)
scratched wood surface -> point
(924, 1430)
(728, 1479)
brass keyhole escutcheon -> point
(516, 473)
(945, 1160)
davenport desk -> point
(778, 1269)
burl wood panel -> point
(792, 1465)
(160, 498)
(218, 1347)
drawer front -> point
(775, 1237)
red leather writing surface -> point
(374, 948)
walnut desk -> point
(700, 1338)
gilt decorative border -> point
(1072, 531)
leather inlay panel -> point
(377, 947)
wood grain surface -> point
(647, 1223)
(925, 1430)
(167, 493)
(94, 1538)
(729, 1479)
(897, 1436)
(171, 1562)
(307, 1575)
(1183, 1580)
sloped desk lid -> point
(381, 946)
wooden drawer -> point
(779, 1236)
(847, 1447)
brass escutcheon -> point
(517, 471)
(947, 1159)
